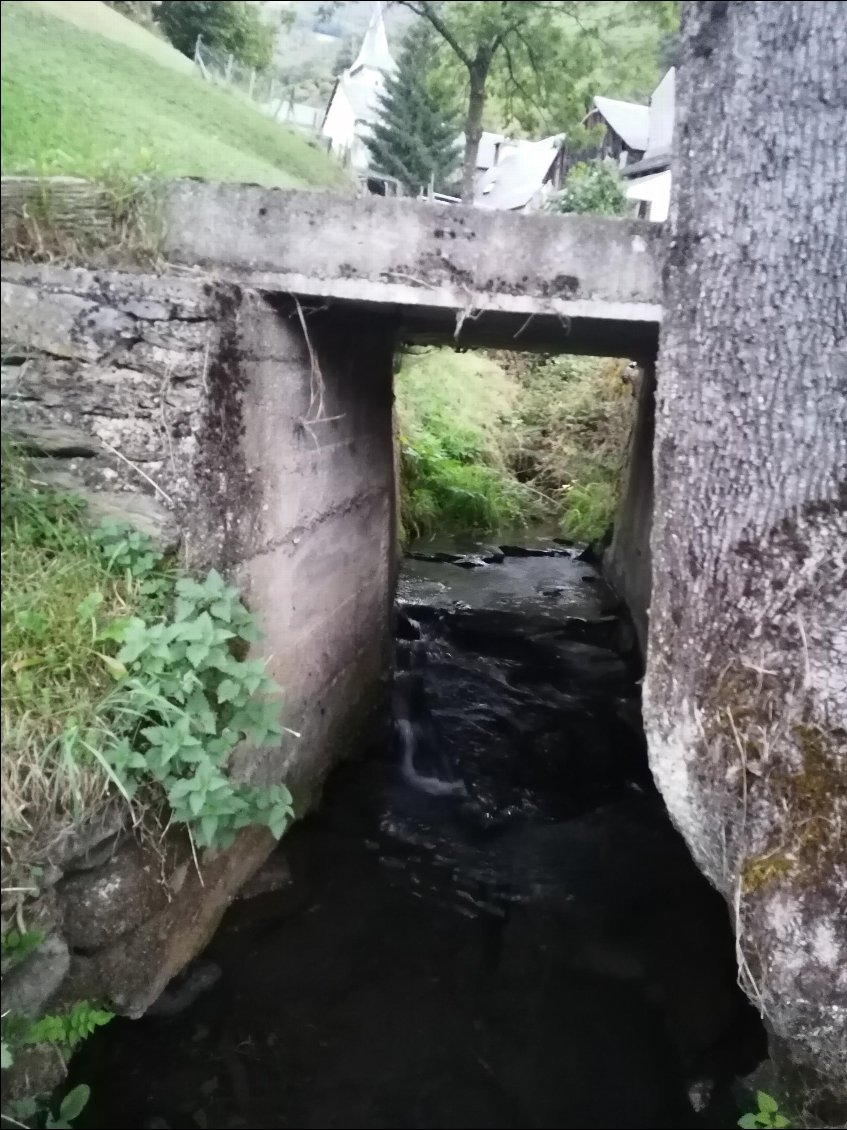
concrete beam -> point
(581, 284)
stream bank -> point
(489, 922)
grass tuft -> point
(56, 589)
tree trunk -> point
(473, 133)
(746, 689)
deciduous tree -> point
(746, 689)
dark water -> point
(490, 922)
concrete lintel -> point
(415, 257)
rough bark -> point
(473, 134)
(746, 690)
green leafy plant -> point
(127, 551)
(591, 187)
(118, 674)
(767, 1116)
(188, 700)
(16, 945)
(68, 1029)
(35, 1112)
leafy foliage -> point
(492, 441)
(69, 1029)
(35, 1112)
(64, 1031)
(591, 186)
(414, 140)
(454, 412)
(537, 60)
(230, 25)
(17, 946)
(766, 1116)
(197, 701)
(573, 421)
(121, 674)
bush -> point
(230, 25)
(592, 187)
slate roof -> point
(513, 182)
(629, 120)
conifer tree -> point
(414, 140)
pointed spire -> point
(374, 52)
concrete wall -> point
(627, 561)
(201, 410)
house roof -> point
(662, 111)
(660, 130)
(515, 180)
(629, 120)
(487, 152)
(374, 52)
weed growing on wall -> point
(37, 1113)
(196, 701)
(766, 1116)
(121, 677)
(62, 1032)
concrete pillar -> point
(300, 473)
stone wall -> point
(256, 434)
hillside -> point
(85, 91)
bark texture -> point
(746, 690)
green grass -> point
(55, 677)
(76, 101)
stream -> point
(490, 921)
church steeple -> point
(374, 53)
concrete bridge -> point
(240, 399)
(574, 284)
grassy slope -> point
(103, 20)
(77, 101)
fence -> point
(270, 96)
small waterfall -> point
(405, 730)
(415, 737)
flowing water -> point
(489, 923)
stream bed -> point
(490, 921)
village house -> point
(522, 175)
(638, 138)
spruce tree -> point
(414, 139)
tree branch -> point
(425, 11)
